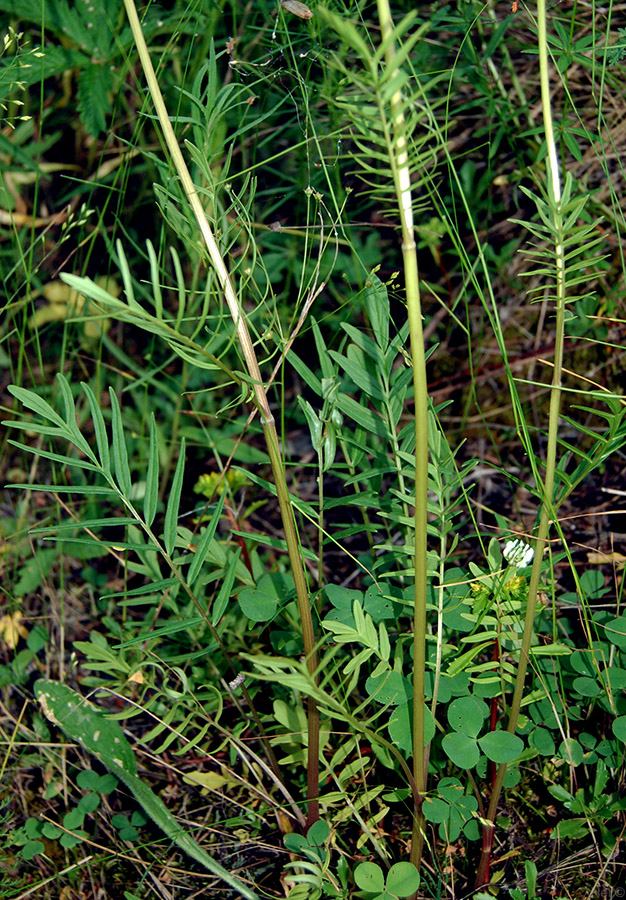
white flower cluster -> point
(518, 553)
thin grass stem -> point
(260, 398)
(547, 488)
(399, 160)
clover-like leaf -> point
(369, 877)
(501, 746)
(461, 749)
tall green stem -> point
(399, 159)
(260, 397)
(547, 489)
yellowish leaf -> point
(64, 302)
(605, 559)
(212, 781)
(297, 8)
(11, 629)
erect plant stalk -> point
(399, 159)
(547, 488)
(260, 398)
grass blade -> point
(182, 290)
(126, 277)
(151, 497)
(58, 457)
(70, 419)
(84, 489)
(36, 404)
(102, 440)
(173, 504)
(114, 522)
(118, 446)
(34, 428)
(221, 601)
(205, 541)
(154, 279)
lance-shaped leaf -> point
(205, 541)
(70, 418)
(173, 504)
(37, 404)
(102, 441)
(151, 497)
(118, 446)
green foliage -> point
(594, 806)
(365, 97)
(104, 739)
(93, 40)
(561, 226)
(72, 833)
(189, 607)
(312, 877)
(616, 53)
(453, 809)
(402, 880)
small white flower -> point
(518, 553)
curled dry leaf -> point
(298, 9)
(604, 559)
